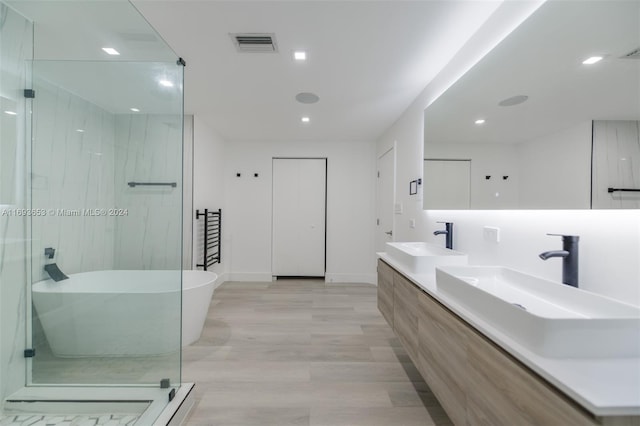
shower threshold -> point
(84, 406)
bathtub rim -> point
(50, 286)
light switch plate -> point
(412, 223)
(491, 234)
(398, 208)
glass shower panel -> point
(107, 200)
(16, 49)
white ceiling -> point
(368, 60)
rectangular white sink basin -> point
(422, 258)
(551, 319)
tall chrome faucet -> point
(448, 231)
(569, 255)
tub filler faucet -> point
(448, 231)
(569, 255)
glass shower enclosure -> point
(91, 123)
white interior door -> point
(447, 184)
(299, 216)
(385, 199)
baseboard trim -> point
(249, 276)
(267, 276)
(351, 278)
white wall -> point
(350, 207)
(610, 240)
(555, 170)
(208, 187)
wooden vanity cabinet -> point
(385, 291)
(476, 381)
(502, 391)
(405, 318)
(443, 357)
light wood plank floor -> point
(303, 352)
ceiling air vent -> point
(634, 54)
(255, 42)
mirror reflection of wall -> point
(616, 165)
(447, 183)
(528, 110)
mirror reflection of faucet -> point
(52, 269)
(448, 231)
(569, 255)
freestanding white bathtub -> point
(123, 313)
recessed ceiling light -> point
(134, 109)
(592, 60)
(305, 119)
(166, 83)
(300, 55)
(11, 112)
(80, 130)
(481, 121)
(110, 51)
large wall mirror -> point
(541, 122)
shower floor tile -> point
(67, 420)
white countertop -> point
(603, 386)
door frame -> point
(379, 207)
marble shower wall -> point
(616, 163)
(83, 158)
(16, 45)
(148, 149)
(72, 172)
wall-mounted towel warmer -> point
(212, 236)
